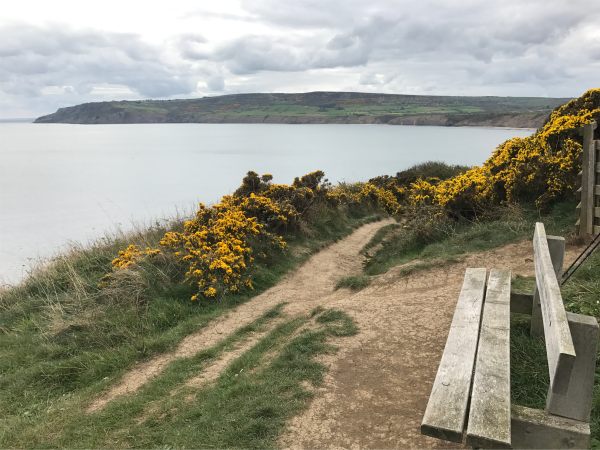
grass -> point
(63, 339)
(434, 242)
(325, 105)
(354, 282)
(379, 236)
(246, 407)
(417, 266)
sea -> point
(63, 185)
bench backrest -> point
(560, 350)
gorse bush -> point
(218, 245)
(427, 170)
(540, 168)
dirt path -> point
(311, 285)
(377, 386)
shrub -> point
(542, 167)
(217, 247)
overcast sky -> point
(60, 53)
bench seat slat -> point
(559, 343)
(447, 407)
(489, 414)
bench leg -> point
(576, 403)
(534, 428)
(556, 245)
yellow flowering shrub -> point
(274, 215)
(540, 168)
(344, 193)
(131, 255)
(384, 198)
(216, 247)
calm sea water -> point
(61, 184)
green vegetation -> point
(319, 107)
(427, 170)
(433, 240)
(65, 335)
(354, 282)
(379, 236)
(246, 406)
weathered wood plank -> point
(489, 415)
(597, 211)
(535, 428)
(556, 246)
(559, 344)
(597, 189)
(596, 229)
(447, 407)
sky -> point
(61, 52)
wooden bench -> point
(470, 399)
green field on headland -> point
(319, 107)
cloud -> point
(34, 58)
(538, 47)
(216, 83)
(354, 33)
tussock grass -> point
(354, 282)
(418, 266)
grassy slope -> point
(445, 242)
(62, 341)
(60, 345)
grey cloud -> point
(405, 29)
(33, 58)
(216, 83)
(252, 54)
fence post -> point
(576, 403)
(588, 182)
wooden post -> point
(535, 428)
(588, 182)
(576, 402)
(556, 245)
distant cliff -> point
(318, 107)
